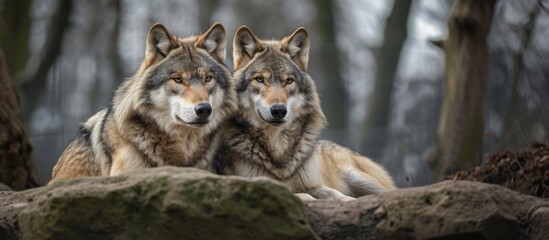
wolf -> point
(275, 131)
(168, 113)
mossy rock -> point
(163, 203)
(4, 187)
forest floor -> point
(526, 171)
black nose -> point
(203, 110)
(278, 111)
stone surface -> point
(160, 203)
(539, 222)
(181, 203)
(4, 187)
(447, 210)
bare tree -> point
(17, 166)
(114, 35)
(206, 8)
(331, 86)
(14, 32)
(33, 78)
(387, 57)
(460, 128)
(511, 130)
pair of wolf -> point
(183, 107)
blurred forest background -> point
(379, 66)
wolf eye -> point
(208, 78)
(289, 81)
(259, 79)
(177, 79)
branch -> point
(543, 7)
(438, 43)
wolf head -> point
(272, 82)
(181, 82)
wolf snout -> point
(278, 111)
(203, 110)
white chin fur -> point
(182, 111)
(265, 113)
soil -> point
(526, 172)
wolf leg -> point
(304, 197)
(125, 159)
(311, 182)
(324, 192)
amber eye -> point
(208, 78)
(289, 81)
(259, 79)
(178, 79)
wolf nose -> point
(203, 110)
(278, 111)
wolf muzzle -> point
(278, 111)
(203, 110)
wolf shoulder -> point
(78, 159)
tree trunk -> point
(206, 8)
(460, 128)
(14, 33)
(34, 78)
(114, 36)
(517, 118)
(388, 56)
(17, 166)
(331, 88)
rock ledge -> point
(174, 203)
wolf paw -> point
(304, 197)
(346, 198)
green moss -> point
(168, 208)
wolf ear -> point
(159, 43)
(297, 46)
(245, 46)
(214, 42)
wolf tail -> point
(367, 177)
(358, 175)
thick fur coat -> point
(168, 113)
(275, 132)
